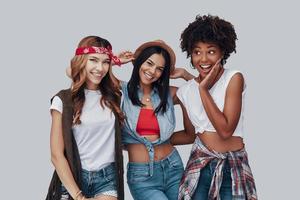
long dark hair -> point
(111, 96)
(162, 84)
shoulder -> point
(184, 90)
(123, 85)
(64, 95)
(186, 86)
(63, 92)
(58, 100)
(230, 73)
(235, 79)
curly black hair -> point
(212, 29)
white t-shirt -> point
(190, 97)
(95, 136)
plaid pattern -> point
(243, 186)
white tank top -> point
(95, 136)
(190, 97)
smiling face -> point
(204, 57)
(96, 68)
(152, 69)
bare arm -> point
(224, 121)
(181, 73)
(125, 57)
(186, 136)
(173, 91)
(57, 155)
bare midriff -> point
(139, 152)
(214, 142)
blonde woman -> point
(85, 135)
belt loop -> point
(104, 171)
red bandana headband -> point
(92, 49)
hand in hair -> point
(181, 73)
(125, 57)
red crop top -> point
(147, 123)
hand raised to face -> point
(208, 81)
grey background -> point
(38, 39)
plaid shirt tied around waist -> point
(243, 186)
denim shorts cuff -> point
(112, 193)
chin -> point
(96, 83)
(146, 82)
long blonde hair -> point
(111, 96)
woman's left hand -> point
(125, 57)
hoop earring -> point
(223, 61)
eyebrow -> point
(210, 46)
(94, 57)
(154, 63)
(214, 46)
(150, 60)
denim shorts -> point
(206, 175)
(96, 183)
(162, 185)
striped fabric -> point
(243, 186)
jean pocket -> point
(136, 174)
(176, 163)
(110, 175)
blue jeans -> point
(95, 183)
(163, 185)
(201, 192)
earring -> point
(223, 61)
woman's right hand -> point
(210, 79)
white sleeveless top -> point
(190, 97)
(95, 136)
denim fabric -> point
(163, 185)
(165, 120)
(96, 182)
(207, 173)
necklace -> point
(148, 99)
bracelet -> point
(77, 194)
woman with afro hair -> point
(218, 165)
